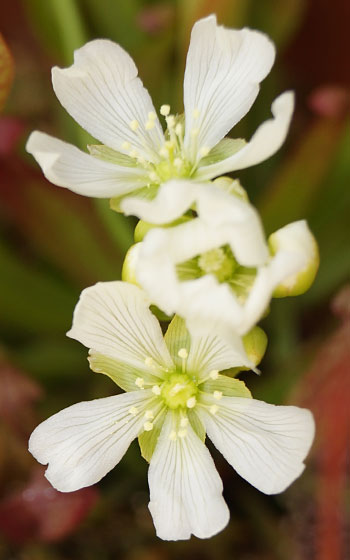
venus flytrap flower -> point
(174, 395)
(102, 92)
(216, 270)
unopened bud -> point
(231, 186)
(129, 265)
(255, 343)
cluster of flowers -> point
(201, 261)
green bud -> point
(255, 343)
(296, 238)
(129, 265)
(144, 227)
(231, 186)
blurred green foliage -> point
(54, 243)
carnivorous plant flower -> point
(103, 93)
(174, 396)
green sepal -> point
(124, 375)
(225, 148)
(148, 440)
(176, 337)
(228, 386)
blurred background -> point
(54, 243)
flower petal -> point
(185, 488)
(223, 70)
(66, 166)
(264, 443)
(83, 442)
(102, 92)
(268, 138)
(113, 318)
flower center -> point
(219, 262)
(179, 390)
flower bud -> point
(255, 343)
(231, 186)
(296, 238)
(143, 227)
(129, 265)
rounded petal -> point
(268, 138)
(83, 442)
(223, 70)
(67, 166)
(264, 443)
(185, 488)
(114, 319)
(102, 92)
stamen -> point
(184, 422)
(195, 113)
(191, 403)
(152, 116)
(169, 145)
(178, 163)
(154, 177)
(214, 374)
(217, 395)
(194, 132)
(133, 154)
(133, 410)
(149, 361)
(172, 435)
(139, 382)
(182, 353)
(204, 151)
(213, 409)
(182, 433)
(163, 152)
(156, 389)
(165, 110)
(149, 414)
(149, 125)
(126, 145)
(170, 120)
(134, 125)
(148, 426)
(178, 129)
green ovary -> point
(219, 262)
(177, 389)
(167, 169)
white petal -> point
(265, 444)
(66, 166)
(223, 70)
(268, 138)
(114, 319)
(102, 92)
(185, 488)
(83, 442)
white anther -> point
(204, 151)
(149, 361)
(178, 162)
(133, 154)
(148, 426)
(165, 110)
(163, 152)
(151, 116)
(170, 121)
(156, 389)
(191, 403)
(149, 125)
(178, 129)
(194, 132)
(182, 433)
(195, 113)
(217, 395)
(172, 435)
(126, 145)
(133, 410)
(169, 145)
(153, 176)
(213, 409)
(149, 415)
(182, 353)
(214, 374)
(184, 422)
(139, 382)
(134, 124)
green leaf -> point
(6, 72)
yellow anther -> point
(151, 116)
(184, 422)
(133, 154)
(149, 125)
(139, 382)
(182, 433)
(217, 395)
(213, 409)
(169, 145)
(195, 113)
(170, 121)
(133, 410)
(149, 415)
(214, 374)
(165, 110)
(194, 132)
(149, 361)
(153, 176)
(126, 145)
(134, 124)
(182, 353)
(172, 435)
(204, 151)
(148, 426)
(156, 389)
(163, 152)
(191, 403)
(178, 129)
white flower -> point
(215, 270)
(102, 92)
(175, 395)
